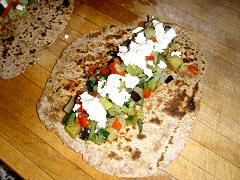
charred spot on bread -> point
(136, 154)
(114, 155)
(160, 159)
(156, 120)
(141, 136)
(174, 106)
(170, 140)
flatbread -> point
(40, 26)
(169, 113)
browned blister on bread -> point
(169, 113)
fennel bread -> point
(169, 113)
(23, 43)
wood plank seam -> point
(25, 155)
(198, 166)
(217, 132)
(236, 165)
(34, 142)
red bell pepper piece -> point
(8, 9)
(150, 58)
(193, 69)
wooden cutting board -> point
(213, 150)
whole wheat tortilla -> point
(26, 37)
(169, 113)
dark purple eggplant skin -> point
(135, 96)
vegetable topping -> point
(116, 92)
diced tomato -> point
(8, 9)
(147, 92)
(83, 121)
(105, 70)
(150, 58)
(154, 39)
(193, 69)
(117, 125)
(79, 92)
(80, 110)
(94, 94)
(114, 70)
(4, 28)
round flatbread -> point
(27, 36)
(169, 113)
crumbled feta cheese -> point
(20, 7)
(4, 3)
(130, 81)
(162, 65)
(76, 107)
(136, 55)
(94, 109)
(138, 29)
(140, 38)
(163, 38)
(66, 36)
(176, 53)
(142, 47)
(123, 49)
(150, 63)
(112, 88)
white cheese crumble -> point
(111, 87)
(142, 47)
(140, 39)
(136, 55)
(162, 65)
(138, 29)
(20, 7)
(66, 36)
(163, 38)
(76, 107)
(94, 109)
(176, 53)
(131, 81)
(4, 3)
(150, 63)
(123, 49)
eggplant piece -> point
(135, 96)
(112, 53)
(1, 9)
(169, 79)
(126, 43)
(85, 134)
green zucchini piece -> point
(73, 129)
(153, 82)
(140, 126)
(106, 103)
(134, 70)
(140, 113)
(113, 134)
(149, 32)
(175, 62)
(70, 119)
(114, 110)
(132, 119)
(103, 133)
(68, 108)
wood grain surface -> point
(213, 150)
